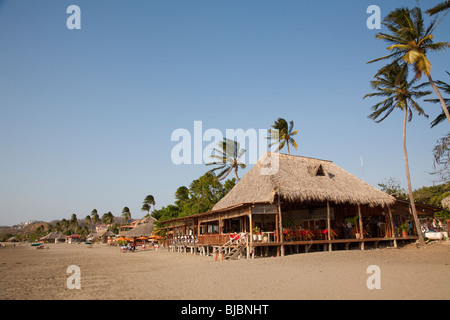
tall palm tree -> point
(126, 214)
(73, 222)
(227, 157)
(146, 207)
(108, 218)
(88, 221)
(285, 134)
(95, 217)
(150, 200)
(446, 88)
(410, 41)
(440, 7)
(398, 93)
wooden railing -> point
(213, 239)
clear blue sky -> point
(86, 115)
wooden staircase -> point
(232, 249)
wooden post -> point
(392, 226)
(361, 230)
(330, 246)
(250, 228)
(281, 227)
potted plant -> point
(256, 232)
(260, 236)
(404, 228)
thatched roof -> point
(53, 236)
(302, 179)
(143, 228)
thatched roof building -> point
(302, 179)
(53, 237)
(142, 228)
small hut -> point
(53, 237)
(143, 228)
(74, 238)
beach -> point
(106, 273)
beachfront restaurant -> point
(306, 204)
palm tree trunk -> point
(408, 178)
(444, 107)
(287, 143)
(235, 171)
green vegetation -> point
(203, 193)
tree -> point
(108, 218)
(95, 217)
(126, 214)
(410, 41)
(88, 221)
(227, 157)
(443, 6)
(397, 92)
(73, 222)
(181, 196)
(150, 200)
(446, 88)
(441, 153)
(392, 187)
(285, 134)
(146, 207)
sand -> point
(106, 273)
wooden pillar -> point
(250, 239)
(281, 227)
(330, 246)
(392, 226)
(361, 230)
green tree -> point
(445, 87)
(441, 7)
(285, 134)
(146, 207)
(411, 41)
(227, 157)
(392, 187)
(126, 214)
(88, 221)
(73, 223)
(95, 217)
(150, 200)
(108, 218)
(397, 92)
(181, 196)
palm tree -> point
(410, 41)
(126, 214)
(439, 8)
(95, 217)
(397, 93)
(146, 207)
(150, 200)
(446, 88)
(88, 221)
(285, 134)
(108, 218)
(73, 222)
(227, 155)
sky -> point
(86, 115)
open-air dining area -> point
(308, 205)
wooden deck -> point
(327, 244)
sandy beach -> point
(106, 273)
